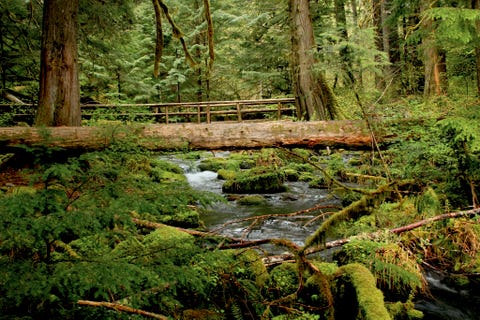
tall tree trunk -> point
(345, 51)
(412, 76)
(59, 99)
(387, 40)
(315, 100)
(434, 60)
(377, 21)
(199, 41)
(3, 61)
(435, 69)
(476, 5)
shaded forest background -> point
(387, 49)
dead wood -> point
(340, 242)
(122, 308)
(219, 135)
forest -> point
(388, 229)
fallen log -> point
(219, 135)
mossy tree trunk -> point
(434, 60)
(345, 50)
(59, 98)
(387, 40)
(476, 5)
(315, 100)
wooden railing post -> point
(166, 114)
(279, 111)
(239, 112)
(199, 114)
(208, 114)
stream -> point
(445, 302)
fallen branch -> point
(340, 242)
(261, 218)
(420, 223)
(122, 308)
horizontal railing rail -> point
(187, 111)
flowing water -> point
(445, 303)
(298, 197)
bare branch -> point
(122, 308)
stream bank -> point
(445, 303)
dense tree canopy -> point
(408, 47)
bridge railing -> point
(207, 111)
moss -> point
(291, 175)
(184, 219)
(319, 182)
(212, 164)
(266, 181)
(317, 290)
(428, 204)
(252, 200)
(216, 163)
(224, 174)
(404, 311)
(160, 175)
(283, 280)
(397, 271)
(306, 177)
(326, 268)
(369, 298)
(253, 262)
(170, 244)
(16, 190)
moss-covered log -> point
(312, 134)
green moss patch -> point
(268, 181)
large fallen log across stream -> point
(218, 135)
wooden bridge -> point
(181, 112)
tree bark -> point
(345, 51)
(243, 135)
(59, 98)
(435, 64)
(387, 40)
(476, 5)
(315, 100)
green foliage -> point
(455, 26)
(283, 280)
(396, 270)
(72, 237)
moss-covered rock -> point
(319, 182)
(184, 219)
(224, 174)
(252, 200)
(264, 181)
(212, 164)
(291, 175)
